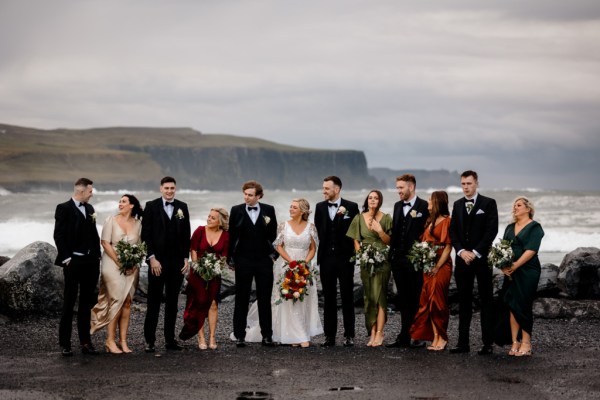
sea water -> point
(569, 219)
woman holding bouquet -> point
(118, 281)
(522, 277)
(295, 320)
(202, 294)
(431, 321)
(373, 227)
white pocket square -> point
(479, 212)
(419, 215)
(346, 217)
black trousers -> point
(408, 286)
(334, 269)
(81, 277)
(262, 272)
(465, 277)
(169, 281)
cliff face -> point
(136, 158)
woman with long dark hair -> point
(431, 321)
(117, 288)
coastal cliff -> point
(136, 158)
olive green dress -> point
(374, 287)
(519, 292)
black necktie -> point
(252, 208)
(332, 204)
(168, 203)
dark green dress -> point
(374, 287)
(518, 294)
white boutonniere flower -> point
(413, 213)
(94, 216)
(180, 214)
(267, 220)
(342, 211)
(470, 207)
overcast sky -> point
(506, 87)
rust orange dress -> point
(433, 305)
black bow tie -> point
(470, 201)
(252, 208)
(406, 205)
(168, 203)
(81, 204)
(332, 204)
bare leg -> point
(124, 324)
(514, 333)
(436, 338)
(111, 334)
(378, 341)
(213, 313)
(201, 340)
(525, 349)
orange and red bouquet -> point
(295, 280)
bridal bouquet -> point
(501, 254)
(130, 255)
(209, 266)
(422, 256)
(294, 282)
(371, 257)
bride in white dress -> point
(293, 322)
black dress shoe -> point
(67, 352)
(416, 344)
(401, 344)
(173, 346)
(150, 348)
(240, 343)
(329, 342)
(348, 341)
(460, 349)
(268, 342)
(89, 349)
(485, 350)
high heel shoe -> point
(202, 346)
(520, 353)
(114, 350)
(212, 345)
(125, 348)
(441, 347)
(515, 348)
(377, 343)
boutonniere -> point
(267, 220)
(180, 214)
(413, 213)
(94, 216)
(469, 207)
(342, 211)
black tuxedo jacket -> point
(154, 229)
(343, 223)
(75, 233)
(266, 232)
(477, 230)
(415, 221)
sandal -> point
(515, 348)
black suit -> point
(251, 252)
(405, 231)
(168, 240)
(333, 257)
(76, 237)
(474, 231)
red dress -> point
(433, 305)
(200, 295)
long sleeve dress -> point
(374, 285)
(433, 305)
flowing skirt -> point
(200, 295)
(433, 306)
(375, 294)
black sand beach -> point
(565, 364)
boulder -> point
(579, 274)
(565, 308)
(30, 282)
(548, 284)
(3, 260)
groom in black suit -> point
(252, 231)
(332, 220)
(473, 228)
(410, 216)
(78, 245)
(166, 231)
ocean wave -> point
(4, 192)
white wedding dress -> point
(292, 322)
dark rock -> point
(579, 274)
(564, 308)
(547, 286)
(3, 260)
(30, 282)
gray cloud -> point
(508, 88)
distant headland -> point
(137, 157)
